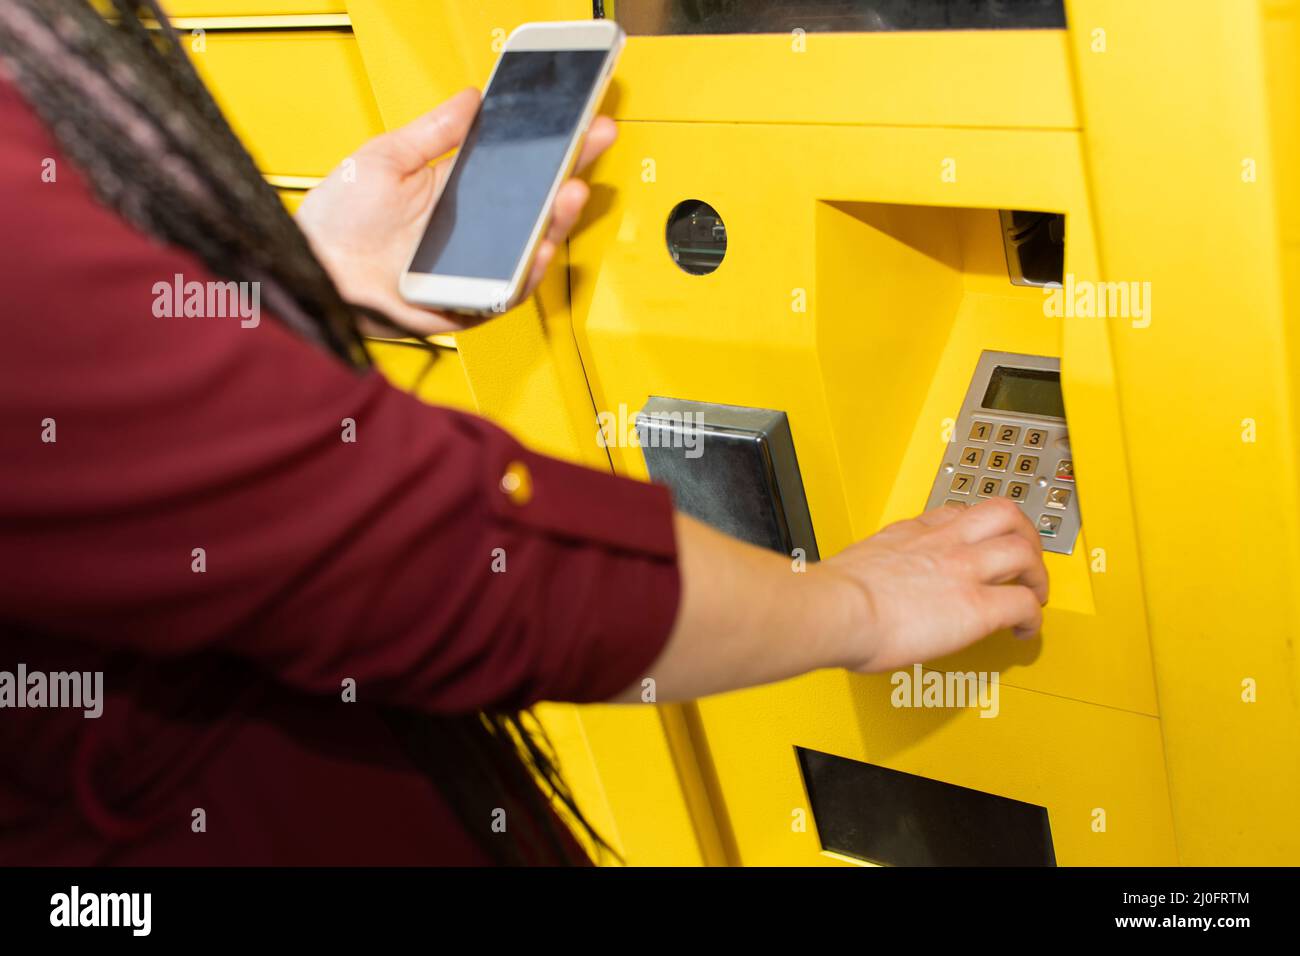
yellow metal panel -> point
(292, 198)
(299, 99)
(1209, 385)
(562, 724)
(526, 374)
(902, 295)
(431, 373)
(1073, 759)
(990, 78)
(1281, 37)
(611, 757)
(856, 297)
(420, 53)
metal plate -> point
(1042, 481)
(731, 467)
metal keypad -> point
(1022, 457)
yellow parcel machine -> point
(855, 258)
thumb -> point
(427, 137)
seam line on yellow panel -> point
(301, 21)
(1047, 693)
(292, 182)
(856, 124)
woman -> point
(281, 566)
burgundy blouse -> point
(322, 561)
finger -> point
(427, 137)
(1009, 558)
(600, 137)
(910, 528)
(545, 253)
(569, 200)
(1011, 606)
(943, 515)
(991, 518)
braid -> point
(128, 107)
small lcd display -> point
(531, 110)
(1030, 391)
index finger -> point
(600, 136)
(990, 519)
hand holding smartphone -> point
(479, 242)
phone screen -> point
(511, 156)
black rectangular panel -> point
(832, 16)
(731, 467)
(899, 819)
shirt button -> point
(517, 483)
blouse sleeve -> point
(179, 486)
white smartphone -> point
(478, 245)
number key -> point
(970, 457)
(1026, 464)
(1035, 438)
(979, 431)
(998, 460)
(961, 484)
(1007, 434)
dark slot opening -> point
(1035, 246)
(898, 819)
(832, 16)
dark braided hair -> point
(123, 98)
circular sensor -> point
(697, 237)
